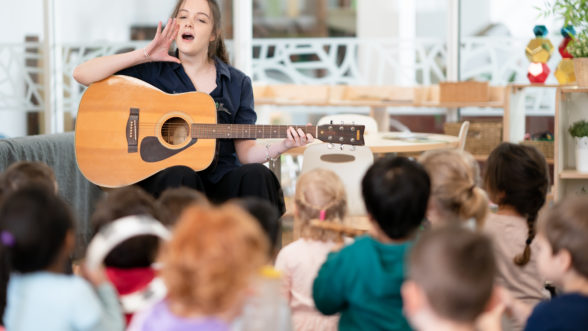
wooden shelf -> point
(521, 86)
(573, 174)
(438, 104)
(574, 89)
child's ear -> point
(413, 299)
(563, 259)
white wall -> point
(77, 21)
(520, 16)
(90, 21)
(377, 18)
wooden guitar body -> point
(123, 131)
(128, 130)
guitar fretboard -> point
(244, 131)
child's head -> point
(451, 274)
(136, 252)
(563, 230)
(173, 201)
(268, 217)
(455, 195)
(34, 226)
(25, 173)
(320, 194)
(518, 176)
(211, 259)
(396, 191)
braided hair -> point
(520, 176)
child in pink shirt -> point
(320, 194)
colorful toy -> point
(539, 51)
(565, 69)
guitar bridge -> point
(132, 130)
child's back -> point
(363, 280)
(37, 237)
(51, 301)
(320, 195)
(516, 179)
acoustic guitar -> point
(128, 130)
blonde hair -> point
(455, 176)
(319, 191)
(211, 258)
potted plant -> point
(579, 130)
(574, 13)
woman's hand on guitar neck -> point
(158, 48)
(297, 137)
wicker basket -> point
(482, 137)
(544, 146)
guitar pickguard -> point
(153, 151)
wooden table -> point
(399, 142)
(386, 142)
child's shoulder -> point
(566, 311)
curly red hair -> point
(211, 259)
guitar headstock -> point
(341, 134)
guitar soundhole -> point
(175, 131)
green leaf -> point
(579, 129)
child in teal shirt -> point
(363, 280)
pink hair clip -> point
(322, 214)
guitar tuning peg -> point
(341, 147)
(330, 146)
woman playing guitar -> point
(201, 64)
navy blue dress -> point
(566, 312)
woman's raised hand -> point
(158, 48)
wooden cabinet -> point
(571, 106)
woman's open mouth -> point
(187, 36)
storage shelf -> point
(574, 89)
(573, 174)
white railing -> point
(348, 61)
(299, 61)
(21, 77)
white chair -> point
(349, 163)
(463, 134)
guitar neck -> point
(245, 131)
